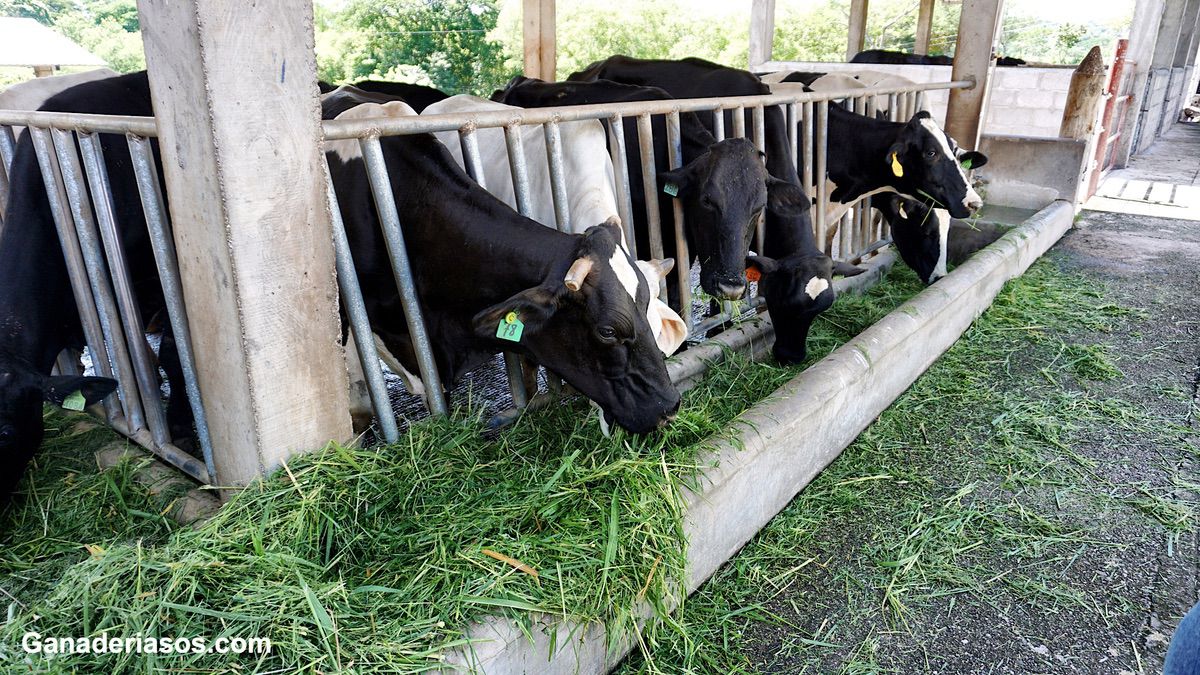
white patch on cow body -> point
(815, 287)
(619, 261)
(943, 221)
(838, 209)
(347, 150)
(411, 382)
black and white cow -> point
(901, 58)
(587, 174)
(417, 96)
(721, 185)
(38, 315)
(868, 156)
(480, 268)
(797, 277)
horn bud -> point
(578, 272)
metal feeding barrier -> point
(860, 234)
(72, 163)
(73, 169)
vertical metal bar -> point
(809, 150)
(8, 146)
(719, 124)
(520, 170)
(76, 266)
(893, 110)
(819, 151)
(793, 136)
(558, 179)
(470, 149)
(68, 362)
(146, 173)
(845, 232)
(650, 190)
(758, 132)
(360, 323)
(144, 367)
(620, 162)
(469, 140)
(739, 122)
(385, 205)
(683, 257)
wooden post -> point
(762, 32)
(1083, 97)
(540, 48)
(43, 71)
(977, 30)
(924, 27)
(857, 37)
(234, 86)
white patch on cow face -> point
(619, 262)
(816, 286)
(971, 199)
(943, 221)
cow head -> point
(919, 233)
(22, 392)
(797, 288)
(585, 326)
(723, 191)
(923, 159)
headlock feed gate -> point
(73, 168)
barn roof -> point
(25, 42)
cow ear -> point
(972, 159)
(59, 388)
(845, 269)
(672, 329)
(759, 266)
(531, 307)
(786, 198)
(678, 181)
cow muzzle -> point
(729, 291)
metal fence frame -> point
(72, 166)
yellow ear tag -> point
(75, 401)
(896, 168)
(510, 328)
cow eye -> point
(707, 203)
(607, 332)
(931, 154)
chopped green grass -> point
(375, 559)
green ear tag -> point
(510, 328)
(75, 401)
(966, 164)
(671, 189)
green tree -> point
(107, 28)
(42, 10)
(446, 41)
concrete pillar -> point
(1169, 29)
(924, 26)
(235, 94)
(1084, 96)
(978, 27)
(540, 48)
(1143, 40)
(857, 37)
(1185, 47)
(762, 32)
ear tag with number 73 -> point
(510, 328)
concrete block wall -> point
(1026, 101)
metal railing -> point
(72, 165)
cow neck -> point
(37, 307)
(450, 220)
(859, 163)
(695, 138)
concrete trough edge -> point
(787, 439)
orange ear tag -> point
(752, 274)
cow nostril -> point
(731, 291)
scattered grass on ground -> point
(374, 559)
(970, 488)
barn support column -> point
(978, 27)
(235, 94)
(540, 48)
(762, 32)
(924, 27)
(857, 37)
(1143, 39)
